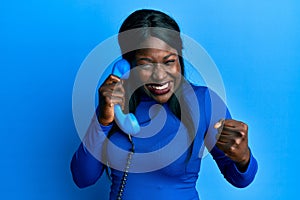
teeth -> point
(162, 87)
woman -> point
(157, 92)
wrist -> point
(243, 164)
(103, 122)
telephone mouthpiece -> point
(126, 122)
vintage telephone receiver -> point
(126, 122)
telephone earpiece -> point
(126, 122)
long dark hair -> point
(142, 24)
(139, 26)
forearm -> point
(86, 166)
(231, 171)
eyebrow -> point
(164, 58)
(171, 54)
(144, 59)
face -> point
(158, 69)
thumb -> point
(219, 126)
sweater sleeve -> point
(227, 166)
(230, 171)
(86, 167)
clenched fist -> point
(111, 92)
(232, 139)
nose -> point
(159, 72)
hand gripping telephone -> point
(126, 122)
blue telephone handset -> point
(126, 122)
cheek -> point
(177, 75)
(177, 79)
(178, 68)
(143, 75)
(176, 72)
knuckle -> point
(219, 145)
(108, 99)
(106, 94)
(101, 89)
(242, 134)
(232, 148)
(245, 126)
(235, 142)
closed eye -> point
(143, 61)
(170, 62)
(147, 66)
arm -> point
(86, 167)
(228, 141)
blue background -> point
(255, 45)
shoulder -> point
(189, 90)
(207, 95)
(204, 96)
(189, 87)
(194, 98)
(200, 90)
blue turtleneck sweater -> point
(167, 159)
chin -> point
(160, 98)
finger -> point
(116, 100)
(223, 146)
(106, 88)
(234, 123)
(235, 129)
(115, 87)
(229, 136)
(111, 101)
(222, 141)
(112, 80)
(109, 95)
(116, 94)
(227, 148)
(219, 124)
(225, 138)
(228, 139)
(231, 128)
(235, 126)
(234, 133)
(119, 88)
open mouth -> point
(158, 89)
